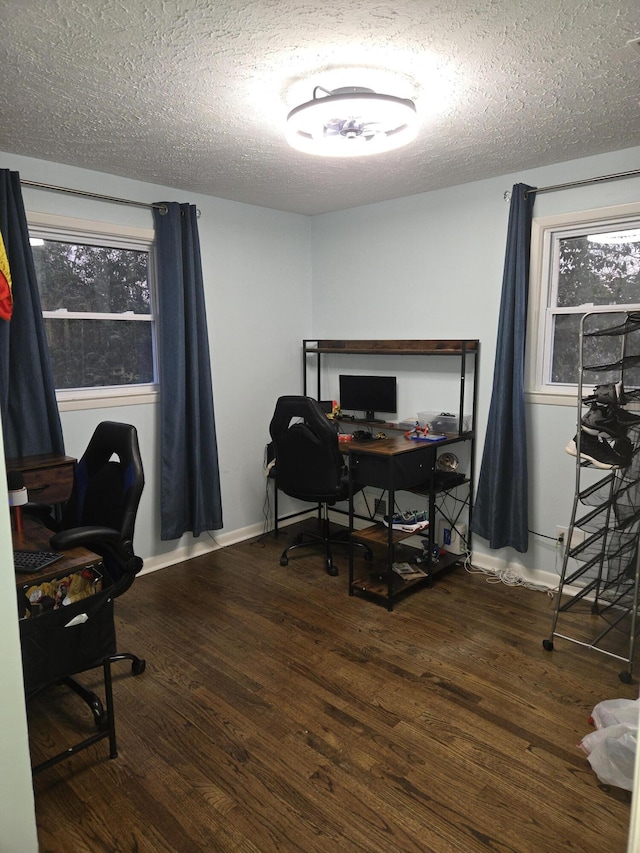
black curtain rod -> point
(633, 173)
(161, 207)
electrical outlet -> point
(577, 538)
(380, 508)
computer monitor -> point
(368, 394)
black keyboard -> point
(26, 562)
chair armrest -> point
(43, 512)
(84, 537)
(101, 540)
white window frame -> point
(541, 283)
(67, 229)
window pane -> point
(597, 350)
(602, 269)
(89, 353)
(92, 279)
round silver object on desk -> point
(447, 462)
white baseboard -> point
(214, 541)
(548, 580)
(205, 544)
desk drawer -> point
(48, 477)
(402, 470)
(49, 485)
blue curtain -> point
(30, 417)
(501, 512)
(190, 497)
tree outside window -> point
(97, 309)
(594, 270)
(590, 265)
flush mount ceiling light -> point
(351, 122)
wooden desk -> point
(394, 464)
(52, 650)
(48, 477)
(35, 537)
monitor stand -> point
(369, 416)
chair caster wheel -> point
(284, 561)
(548, 645)
(332, 570)
(138, 666)
(625, 677)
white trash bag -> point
(611, 749)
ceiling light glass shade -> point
(351, 122)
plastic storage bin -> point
(443, 421)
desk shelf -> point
(385, 585)
(387, 589)
(388, 347)
(378, 534)
(397, 464)
(380, 587)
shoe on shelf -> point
(410, 521)
(603, 420)
(611, 394)
(631, 324)
(595, 450)
(627, 418)
(624, 449)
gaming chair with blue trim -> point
(100, 516)
(101, 512)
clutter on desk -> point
(444, 421)
(423, 433)
(60, 592)
(362, 435)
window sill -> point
(546, 398)
(68, 402)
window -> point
(588, 262)
(97, 304)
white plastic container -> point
(443, 421)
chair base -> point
(105, 720)
(138, 665)
(104, 716)
(324, 540)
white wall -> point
(256, 269)
(430, 266)
(17, 818)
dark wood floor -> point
(279, 714)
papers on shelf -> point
(408, 572)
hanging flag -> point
(6, 295)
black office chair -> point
(100, 516)
(310, 467)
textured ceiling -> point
(193, 94)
